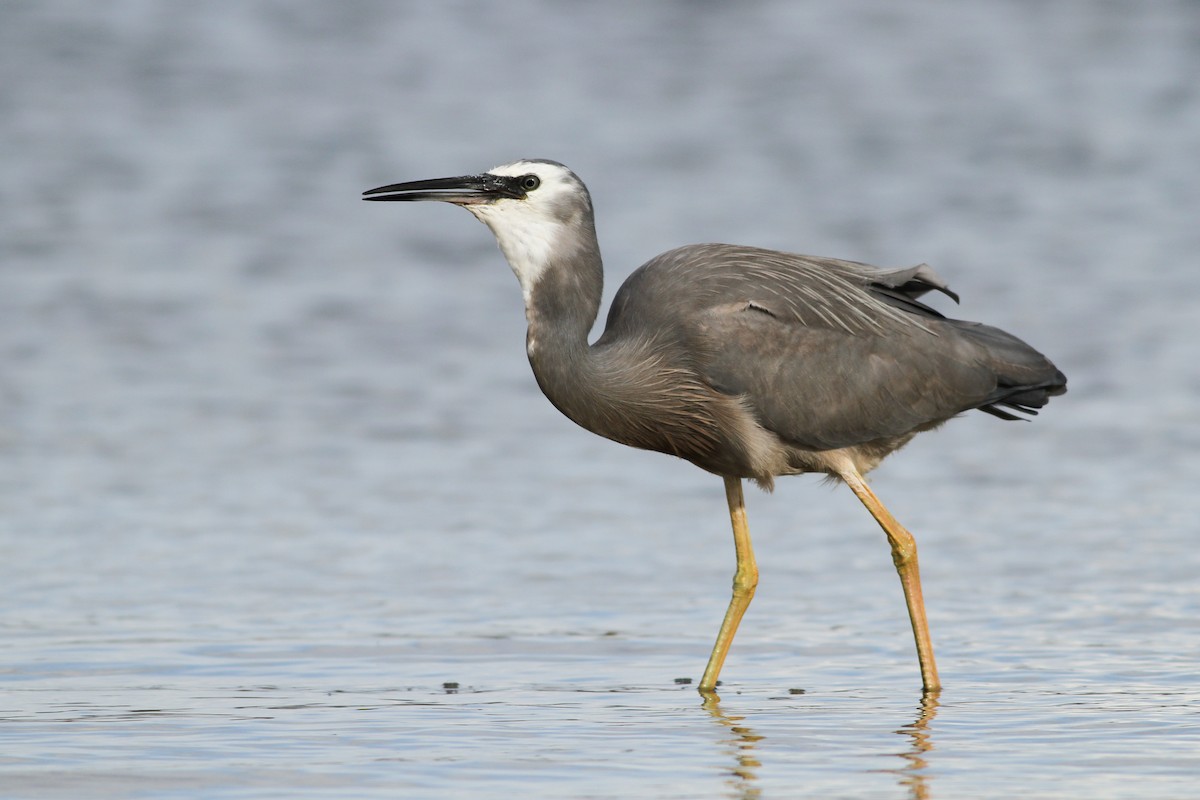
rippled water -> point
(283, 513)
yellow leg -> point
(904, 555)
(745, 580)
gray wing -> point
(829, 353)
(816, 292)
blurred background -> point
(238, 405)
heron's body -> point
(734, 337)
(748, 363)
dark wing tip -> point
(1025, 399)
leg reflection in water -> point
(740, 745)
(915, 773)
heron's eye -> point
(530, 182)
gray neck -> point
(561, 309)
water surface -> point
(283, 513)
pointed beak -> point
(463, 190)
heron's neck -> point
(557, 262)
(561, 304)
(561, 307)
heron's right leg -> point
(904, 556)
(745, 581)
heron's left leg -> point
(745, 581)
(904, 555)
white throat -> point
(526, 238)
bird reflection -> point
(740, 745)
(914, 774)
(742, 742)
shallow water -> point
(283, 512)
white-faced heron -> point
(748, 363)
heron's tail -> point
(1025, 379)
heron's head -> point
(537, 209)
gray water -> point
(283, 513)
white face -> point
(529, 230)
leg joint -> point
(745, 580)
(904, 552)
